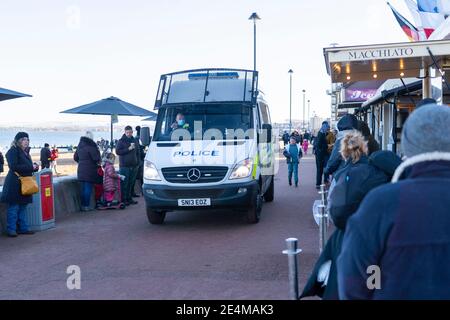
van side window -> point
(259, 125)
(265, 113)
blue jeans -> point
(293, 170)
(86, 193)
(17, 214)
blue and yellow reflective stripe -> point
(255, 166)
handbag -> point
(28, 185)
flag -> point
(431, 14)
(430, 6)
(413, 8)
(408, 28)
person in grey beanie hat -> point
(426, 130)
(408, 219)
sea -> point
(58, 138)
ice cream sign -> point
(359, 95)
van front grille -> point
(194, 175)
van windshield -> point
(202, 122)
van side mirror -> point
(267, 133)
(146, 139)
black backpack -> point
(349, 188)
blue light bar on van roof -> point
(214, 75)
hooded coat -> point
(88, 158)
(18, 161)
(409, 238)
(361, 178)
(110, 177)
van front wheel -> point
(155, 217)
(254, 212)
(270, 193)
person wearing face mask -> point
(180, 122)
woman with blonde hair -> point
(350, 185)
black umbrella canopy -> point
(6, 94)
(111, 106)
(152, 118)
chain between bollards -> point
(292, 252)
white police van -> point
(212, 147)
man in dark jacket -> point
(285, 138)
(321, 152)
(346, 124)
(46, 155)
(129, 157)
(406, 254)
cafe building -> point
(382, 84)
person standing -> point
(371, 142)
(297, 137)
(128, 151)
(2, 163)
(350, 185)
(305, 146)
(293, 154)
(285, 138)
(348, 123)
(408, 220)
(54, 157)
(141, 158)
(331, 140)
(321, 153)
(45, 157)
(20, 164)
(88, 158)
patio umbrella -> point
(152, 118)
(6, 94)
(111, 106)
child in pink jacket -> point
(110, 178)
(305, 146)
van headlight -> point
(150, 172)
(242, 170)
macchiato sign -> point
(380, 54)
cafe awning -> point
(385, 61)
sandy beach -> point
(66, 166)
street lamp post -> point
(290, 100)
(254, 17)
(304, 105)
(309, 108)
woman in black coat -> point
(19, 161)
(88, 158)
(351, 184)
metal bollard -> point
(323, 227)
(292, 252)
(324, 193)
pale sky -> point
(69, 53)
